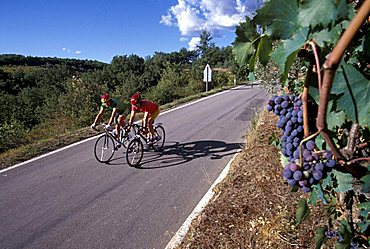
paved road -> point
(69, 200)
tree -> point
(205, 43)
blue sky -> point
(102, 29)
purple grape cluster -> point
(302, 170)
(289, 110)
(330, 234)
(314, 167)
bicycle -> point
(135, 148)
(107, 144)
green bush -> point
(11, 135)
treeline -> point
(20, 60)
(41, 97)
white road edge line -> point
(85, 140)
(181, 233)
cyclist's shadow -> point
(175, 153)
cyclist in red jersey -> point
(150, 110)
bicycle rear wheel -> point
(159, 137)
(104, 148)
(134, 152)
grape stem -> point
(360, 159)
(301, 143)
(349, 150)
(304, 98)
(317, 60)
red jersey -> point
(146, 106)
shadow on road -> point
(175, 153)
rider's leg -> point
(120, 123)
(150, 127)
(144, 123)
(152, 117)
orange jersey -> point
(146, 106)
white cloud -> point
(69, 51)
(215, 16)
(184, 39)
(193, 43)
(167, 20)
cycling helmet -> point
(135, 99)
(105, 98)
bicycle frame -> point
(140, 128)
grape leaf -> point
(313, 197)
(246, 31)
(366, 184)
(284, 161)
(286, 53)
(360, 89)
(320, 193)
(366, 46)
(280, 16)
(364, 212)
(333, 118)
(364, 225)
(263, 50)
(321, 12)
(365, 206)
(320, 237)
(252, 62)
(302, 212)
(344, 181)
(320, 142)
(327, 182)
(344, 231)
(251, 76)
(244, 46)
(330, 36)
(243, 52)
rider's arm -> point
(132, 116)
(112, 116)
(97, 118)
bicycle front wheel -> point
(159, 137)
(134, 152)
(104, 148)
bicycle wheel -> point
(104, 148)
(134, 152)
(159, 137)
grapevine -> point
(324, 120)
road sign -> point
(207, 74)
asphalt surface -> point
(69, 200)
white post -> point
(207, 75)
(206, 80)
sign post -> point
(207, 75)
